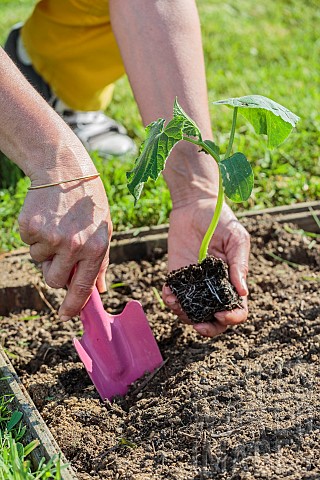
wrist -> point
(62, 182)
(62, 163)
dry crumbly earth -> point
(245, 405)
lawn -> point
(14, 455)
(270, 49)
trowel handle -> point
(93, 315)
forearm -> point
(161, 46)
(32, 135)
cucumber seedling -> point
(204, 289)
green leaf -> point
(214, 147)
(15, 418)
(237, 177)
(154, 153)
(266, 116)
(30, 447)
(20, 450)
(127, 443)
(190, 128)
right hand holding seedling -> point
(204, 289)
(231, 242)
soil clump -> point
(204, 289)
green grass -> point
(14, 451)
(269, 48)
(272, 49)
(11, 12)
(11, 201)
(156, 204)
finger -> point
(171, 302)
(168, 297)
(41, 251)
(57, 271)
(238, 268)
(101, 280)
(30, 228)
(234, 317)
(238, 277)
(46, 267)
(80, 289)
(211, 329)
(177, 310)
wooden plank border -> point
(36, 428)
(137, 244)
(145, 242)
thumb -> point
(238, 277)
(239, 265)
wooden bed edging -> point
(36, 428)
(145, 242)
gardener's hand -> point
(230, 242)
(69, 226)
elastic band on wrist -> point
(86, 177)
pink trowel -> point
(116, 349)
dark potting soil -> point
(204, 289)
(245, 405)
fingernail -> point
(201, 329)
(244, 285)
(65, 318)
(171, 300)
(103, 284)
(167, 290)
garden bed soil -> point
(245, 405)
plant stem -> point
(213, 224)
(215, 219)
(203, 147)
(233, 129)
